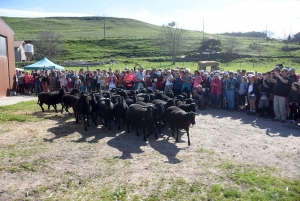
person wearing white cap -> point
(169, 82)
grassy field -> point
(126, 38)
(232, 66)
(36, 162)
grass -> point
(234, 65)
(19, 112)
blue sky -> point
(281, 16)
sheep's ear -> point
(195, 113)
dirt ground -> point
(43, 159)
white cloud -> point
(225, 16)
(38, 12)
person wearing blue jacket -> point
(230, 85)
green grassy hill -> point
(125, 38)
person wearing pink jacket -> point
(216, 91)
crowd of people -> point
(273, 94)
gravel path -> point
(10, 100)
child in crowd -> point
(63, 81)
(82, 87)
(154, 84)
(77, 83)
(294, 98)
(252, 94)
(177, 84)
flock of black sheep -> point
(142, 109)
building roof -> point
(2, 23)
(17, 43)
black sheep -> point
(130, 101)
(179, 119)
(140, 116)
(105, 111)
(188, 107)
(66, 102)
(50, 98)
(120, 109)
(81, 107)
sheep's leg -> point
(188, 134)
(150, 130)
(109, 124)
(177, 131)
(137, 130)
(76, 117)
(93, 119)
(68, 111)
(54, 106)
(41, 105)
(85, 122)
(119, 125)
(156, 136)
(145, 138)
(62, 108)
(159, 126)
(173, 131)
(48, 107)
(128, 126)
(124, 120)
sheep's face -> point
(191, 118)
(61, 91)
(171, 103)
(192, 106)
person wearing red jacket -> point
(216, 91)
(111, 80)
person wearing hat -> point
(294, 101)
(216, 91)
(140, 78)
(281, 91)
(292, 76)
(230, 86)
(200, 97)
(159, 81)
(168, 82)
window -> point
(3, 46)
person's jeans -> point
(37, 87)
(139, 85)
(230, 98)
(167, 88)
(279, 105)
(201, 102)
(293, 112)
(216, 100)
(53, 86)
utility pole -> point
(266, 33)
(104, 27)
(203, 29)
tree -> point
(173, 39)
(48, 44)
(297, 38)
(211, 44)
(256, 47)
(231, 45)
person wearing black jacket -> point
(265, 87)
(281, 91)
(252, 90)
